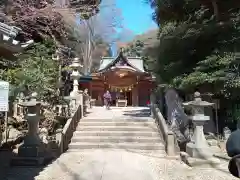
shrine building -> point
(124, 77)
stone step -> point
(116, 139)
(116, 133)
(159, 153)
(138, 119)
(129, 145)
(117, 128)
(142, 124)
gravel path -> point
(113, 164)
(116, 165)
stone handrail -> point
(65, 136)
(167, 135)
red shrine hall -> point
(125, 78)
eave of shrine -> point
(8, 44)
(121, 62)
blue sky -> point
(136, 15)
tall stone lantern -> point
(198, 147)
(32, 151)
(76, 95)
(75, 76)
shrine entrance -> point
(125, 78)
(125, 97)
(121, 82)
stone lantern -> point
(198, 147)
(32, 151)
(76, 95)
(75, 76)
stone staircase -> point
(127, 134)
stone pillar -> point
(15, 109)
(21, 109)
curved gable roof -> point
(134, 62)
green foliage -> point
(139, 49)
(35, 70)
(198, 43)
(135, 49)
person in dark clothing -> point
(233, 150)
(234, 166)
(233, 143)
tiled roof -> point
(105, 61)
(135, 62)
(7, 38)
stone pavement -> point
(117, 164)
(119, 113)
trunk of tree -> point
(215, 9)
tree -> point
(92, 32)
(40, 21)
(146, 47)
(37, 19)
(198, 42)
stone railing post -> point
(20, 108)
(152, 103)
(15, 109)
(85, 101)
(80, 102)
(170, 144)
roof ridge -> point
(106, 57)
(130, 57)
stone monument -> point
(32, 151)
(177, 118)
(198, 147)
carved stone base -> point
(31, 156)
(196, 152)
(197, 162)
(28, 161)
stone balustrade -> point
(19, 111)
(168, 136)
(65, 136)
(62, 110)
